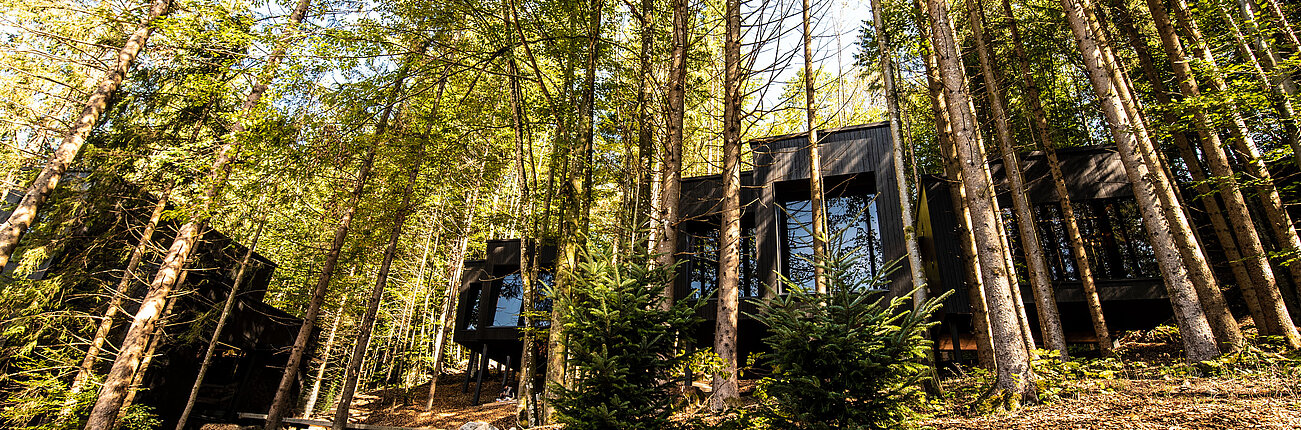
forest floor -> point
(452, 407)
(1145, 387)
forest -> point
(649, 214)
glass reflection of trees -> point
(472, 315)
(702, 264)
(1114, 238)
(510, 298)
(853, 231)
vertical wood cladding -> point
(857, 150)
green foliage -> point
(621, 343)
(852, 358)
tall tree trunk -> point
(134, 346)
(671, 165)
(645, 127)
(221, 321)
(915, 265)
(1284, 25)
(362, 342)
(447, 315)
(325, 359)
(282, 402)
(817, 195)
(1161, 93)
(25, 213)
(119, 295)
(1039, 122)
(526, 409)
(575, 215)
(1045, 299)
(1015, 377)
(1245, 146)
(725, 391)
(1223, 325)
(1199, 343)
(1263, 294)
(958, 197)
(138, 377)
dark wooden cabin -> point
(863, 212)
(254, 345)
(490, 299)
(1129, 282)
(862, 204)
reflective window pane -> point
(509, 297)
(472, 316)
(854, 233)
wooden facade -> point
(254, 344)
(857, 163)
(1127, 279)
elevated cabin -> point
(863, 216)
(863, 206)
(490, 300)
(254, 345)
(863, 209)
(1124, 265)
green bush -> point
(850, 359)
(621, 344)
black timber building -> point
(253, 347)
(863, 206)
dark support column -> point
(483, 368)
(956, 339)
(505, 373)
(469, 371)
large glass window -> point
(510, 297)
(702, 263)
(1113, 235)
(853, 233)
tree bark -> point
(1279, 82)
(645, 126)
(362, 342)
(1264, 299)
(666, 245)
(526, 408)
(1039, 123)
(134, 346)
(1186, 152)
(325, 359)
(1284, 25)
(22, 217)
(575, 196)
(817, 195)
(119, 295)
(915, 265)
(1015, 378)
(1245, 146)
(958, 196)
(1199, 343)
(1223, 325)
(1050, 323)
(221, 323)
(138, 377)
(725, 390)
